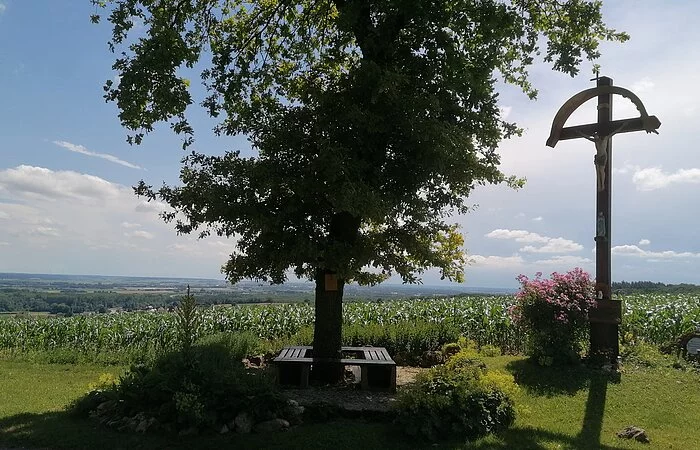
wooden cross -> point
(607, 314)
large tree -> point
(371, 122)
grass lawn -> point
(558, 409)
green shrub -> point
(450, 349)
(238, 345)
(490, 351)
(554, 313)
(459, 399)
(203, 387)
(187, 321)
(465, 359)
(641, 353)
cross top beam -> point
(644, 122)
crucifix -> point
(607, 314)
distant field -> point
(24, 314)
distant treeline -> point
(20, 300)
(641, 287)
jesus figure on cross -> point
(601, 157)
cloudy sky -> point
(66, 205)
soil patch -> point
(350, 398)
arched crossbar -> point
(649, 123)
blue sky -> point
(65, 169)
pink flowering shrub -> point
(554, 313)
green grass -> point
(558, 409)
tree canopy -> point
(372, 120)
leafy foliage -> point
(188, 321)
(459, 399)
(370, 122)
(554, 313)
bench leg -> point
(392, 380)
(383, 377)
(305, 369)
(364, 379)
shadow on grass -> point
(59, 430)
(536, 439)
(555, 381)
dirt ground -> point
(350, 397)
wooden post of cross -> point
(606, 316)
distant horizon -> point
(448, 285)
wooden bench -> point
(377, 369)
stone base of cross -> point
(607, 315)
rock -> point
(142, 427)
(271, 426)
(349, 376)
(105, 407)
(145, 424)
(636, 433)
(255, 360)
(293, 412)
(224, 429)
(431, 358)
(243, 423)
(191, 431)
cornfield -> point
(655, 318)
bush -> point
(406, 342)
(201, 384)
(554, 313)
(204, 387)
(490, 351)
(641, 353)
(459, 399)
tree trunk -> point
(328, 327)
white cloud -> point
(653, 178)
(4, 215)
(140, 234)
(626, 168)
(564, 261)
(554, 245)
(644, 242)
(2, 8)
(3, 244)
(130, 225)
(560, 262)
(551, 245)
(633, 250)
(151, 207)
(538, 219)
(497, 262)
(518, 236)
(505, 111)
(38, 182)
(84, 151)
(643, 85)
(45, 231)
